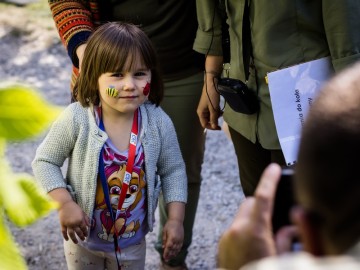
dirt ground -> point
(31, 52)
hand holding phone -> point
(284, 200)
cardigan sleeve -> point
(53, 151)
(171, 166)
(74, 21)
(341, 22)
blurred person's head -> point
(328, 171)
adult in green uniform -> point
(273, 35)
(171, 26)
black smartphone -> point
(284, 200)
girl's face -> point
(131, 88)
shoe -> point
(165, 266)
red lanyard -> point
(129, 164)
(126, 180)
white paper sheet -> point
(292, 91)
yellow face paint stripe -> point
(112, 91)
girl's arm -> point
(176, 211)
(53, 151)
(172, 172)
(170, 166)
(73, 220)
(173, 232)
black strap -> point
(246, 40)
(107, 195)
(105, 185)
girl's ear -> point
(310, 234)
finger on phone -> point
(265, 191)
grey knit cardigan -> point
(75, 135)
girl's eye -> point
(140, 73)
(116, 75)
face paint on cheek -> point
(146, 90)
(111, 91)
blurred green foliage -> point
(23, 114)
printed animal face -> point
(133, 194)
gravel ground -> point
(31, 53)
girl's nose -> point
(129, 84)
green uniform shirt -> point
(171, 25)
(283, 33)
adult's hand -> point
(209, 105)
(285, 237)
(80, 54)
(250, 236)
(208, 109)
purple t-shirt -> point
(131, 224)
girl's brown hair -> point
(116, 47)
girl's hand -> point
(173, 237)
(73, 221)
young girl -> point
(122, 151)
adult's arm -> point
(208, 35)
(250, 236)
(75, 21)
(341, 22)
(208, 41)
(209, 105)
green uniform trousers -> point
(252, 160)
(180, 103)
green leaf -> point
(10, 257)
(24, 113)
(23, 200)
(2, 148)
